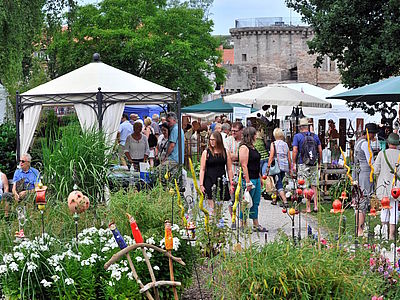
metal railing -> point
(269, 21)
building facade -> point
(274, 53)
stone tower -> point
(275, 53)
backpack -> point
(309, 150)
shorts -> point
(390, 216)
(151, 153)
(309, 173)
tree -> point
(21, 37)
(171, 46)
(362, 36)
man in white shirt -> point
(226, 128)
(125, 129)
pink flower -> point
(377, 298)
(323, 241)
(372, 262)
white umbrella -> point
(276, 95)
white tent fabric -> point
(112, 120)
(28, 125)
(81, 85)
(305, 88)
(276, 95)
(87, 80)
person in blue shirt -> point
(25, 178)
(172, 155)
(308, 172)
(125, 130)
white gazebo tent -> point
(98, 92)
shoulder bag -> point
(274, 168)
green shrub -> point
(77, 158)
(8, 145)
(57, 259)
(280, 270)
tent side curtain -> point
(28, 126)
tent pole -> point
(99, 98)
(17, 119)
(178, 99)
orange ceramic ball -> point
(77, 202)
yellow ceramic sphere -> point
(273, 196)
(166, 176)
(41, 206)
(292, 211)
(40, 185)
(171, 191)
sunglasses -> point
(23, 161)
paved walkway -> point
(272, 218)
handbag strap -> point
(276, 153)
(389, 165)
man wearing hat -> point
(361, 160)
(307, 152)
(384, 167)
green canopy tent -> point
(217, 106)
(387, 90)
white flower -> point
(157, 268)
(151, 241)
(177, 243)
(55, 278)
(58, 269)
(69, 281)
(7, 258)
(110, 283)
(3, 269)
(105, 249)
(139, 259)
(45, 283)
(34, 255)
(19, 256)
(31, 266)
(175, 227)
(130, 275)
(13, 266)
(116, 274)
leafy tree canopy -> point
(362, 36)
(169, 45)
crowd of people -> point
(232, 147)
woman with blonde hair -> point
(148, 131)
(215, 163)
(280, 150)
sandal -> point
(274, 202)
(259, 228)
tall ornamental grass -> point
(77, 158)
(280, 270)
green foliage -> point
(81, 158)
(281, 271)
(170, 46)
(58, 258)
(8, 145)
(358, 35)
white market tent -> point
(98, 93)
(277, 95)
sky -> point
(225, 12)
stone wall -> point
(265, 55)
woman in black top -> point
(215, 163)
(250, 162)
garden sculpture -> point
(40, 190)
(179, 200)
(77, 204)
(125, 252)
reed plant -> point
(79, 159)
(280, 270)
